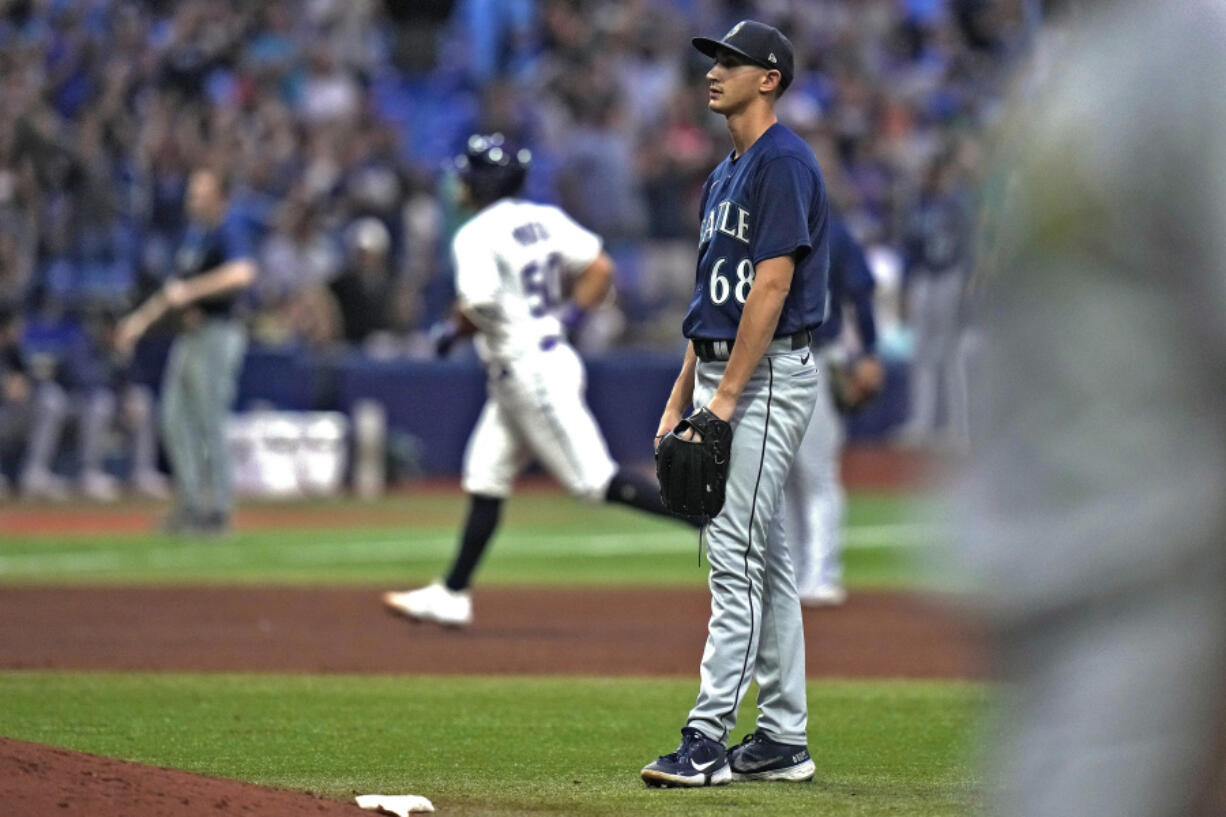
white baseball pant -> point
(535, 409)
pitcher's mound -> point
(44, 781)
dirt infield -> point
(329, 630)
(42, 781)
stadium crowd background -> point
(336, 120)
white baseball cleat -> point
(99, 486)
(39, 483)
(824, 595)
(436, 603)
(151, 484)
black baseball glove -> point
(693, 473)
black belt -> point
(722, 349)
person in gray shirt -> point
(213, 265)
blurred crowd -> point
(336, 120)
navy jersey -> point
(203, 249)
(937, 239)
(767, 203)
(850, 281)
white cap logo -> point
(734, 30)
(772, 57)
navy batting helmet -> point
(492, 167)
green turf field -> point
(480, 745)
(546, 538)
(504, 745)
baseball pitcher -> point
(750, 375)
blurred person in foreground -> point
(1091, 516)
(213, 265)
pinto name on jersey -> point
(729, 218)
(530, 233)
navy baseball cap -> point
(757, 42)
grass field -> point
(505, 746)
(479, 745)
(546, 538)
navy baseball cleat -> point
(760, 758)
(698, 761)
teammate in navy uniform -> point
(813, 495)
(761, 288)
(938, 263)
(213, 265)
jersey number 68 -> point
(721, 286)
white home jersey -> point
(510, 260)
